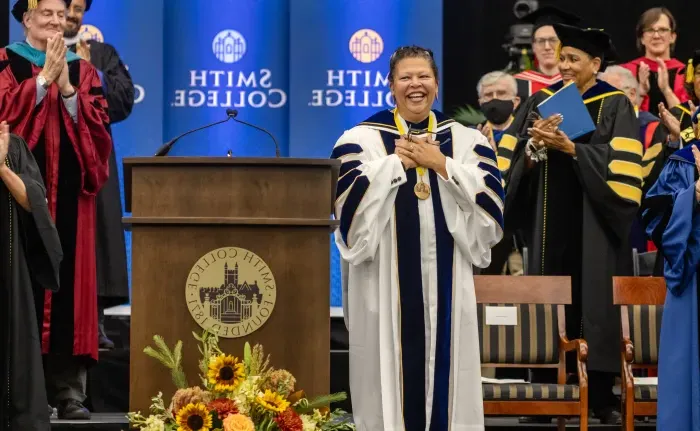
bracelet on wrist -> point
(70, 95)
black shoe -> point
(73, 410)
(535, 419)
(608, 416)
(104, 342)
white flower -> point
(308, 422)
(245, 394)
(153, 423)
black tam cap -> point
(22, 6)
(550, 15)
(88, 3)
(594, 42)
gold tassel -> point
(32, 4)
(689, 72)
(557, 51)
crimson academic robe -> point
(676, 78)
(673, 222)
(31, 255)
(576, 214)
(73, 160)
(532, 81)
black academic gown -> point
(576, 214)
(112, 277)
(31, 255)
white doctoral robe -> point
(400, 253)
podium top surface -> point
(259, 161)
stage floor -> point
(118, 422)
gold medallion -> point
(422, 190)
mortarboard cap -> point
(22, 6)
(550, 15)
(88, 3)
(594, 42)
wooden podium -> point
(276, 208)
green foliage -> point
(468, 116)
(208, 348)
(170, 359)
(305, 406)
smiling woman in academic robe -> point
(416, 212)
(576, 200)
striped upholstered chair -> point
(536, 340)
(641, 302)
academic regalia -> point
(408, 285)
(31, 256)
(577, 213)
(72, 157)
(532, 81)
(673, 222)
(112, 277)
(683, 113)
(676, 77)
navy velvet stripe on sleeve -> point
(350, 206)
(485, 151)
(495, 185)
(346, 182)
(345, 149)
(493, 170)
(348, 166)
(488, 205)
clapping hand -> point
(643, 74)
(488, 132)
(83, 50)
(55, 58)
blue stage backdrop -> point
(227, 54)
(340, 52)
(305, 69)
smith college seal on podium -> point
(231, 292)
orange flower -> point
(238, 422)
(223, 407)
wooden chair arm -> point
(579, 346)
(627, 350)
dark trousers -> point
(66, 378)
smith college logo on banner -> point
(229, 46)
(231, 292)
(225, 88)
(362, 86)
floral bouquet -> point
(236, 395)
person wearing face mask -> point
(660, 76)
(419, 203)
(544, 43)
(53, 99)
(577, 199)
(498, 100)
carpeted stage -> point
(108, 383)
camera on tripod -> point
(519, 39)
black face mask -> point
(498, 111)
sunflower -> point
(194, 417)
(272, 401)
(225, 373)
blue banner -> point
(339, 53)
(227, 54)
(304, 69)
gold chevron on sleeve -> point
(646, 170)
(652, 152)
(620, 167)
(628, 145)
(508, 142)
(626, 191)
(503, 163)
